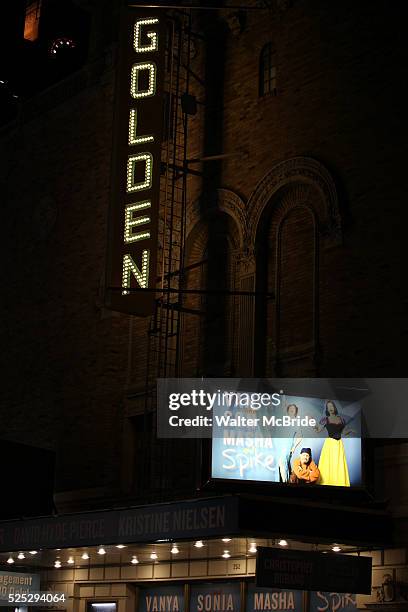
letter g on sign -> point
(151, 35)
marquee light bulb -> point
(71, 560)
(226, 539)
(10, 560)
(282, 543)
(174, 550)
(101, 551)
(57, 563)
(85, 555)
(199, 544)
(336, 548)
(120, 546)
(226, 554)
(252, 548)
(33, 552)
(154, 555)
(135, 560)
(21, 555)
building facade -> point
(279, 233)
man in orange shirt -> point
(305, 471)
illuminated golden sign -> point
(136, 165)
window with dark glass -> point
(267, 70)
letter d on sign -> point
(131, 167)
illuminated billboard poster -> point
(222, 597)
(328, 454)
(135, 184)
(161, 599)
(261, 600)
(321, 601)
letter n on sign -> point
(135, 178)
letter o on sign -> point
(135, 92)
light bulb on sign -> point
(199, 544)
(252, 548)
(226, 539)
(85, 555)
(135, 560)
(336, 548)
(120, 546)
(101, 551)
(154, 555)
(174, 549)
(282, 543)
(21, 555)
(10, 560)
(71, 560)
(33, 552)
(226, 554)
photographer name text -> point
(241, 421)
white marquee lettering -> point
(129, 268)
(162, 603)
(151, 35)
(131, 221)
(145, 184)
(139, 167)
(280, 600)
(135, 92)
(213, 602)
(133, 138)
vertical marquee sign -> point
(135, 186)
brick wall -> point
(338, 102)
(65, 361)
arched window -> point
(267, 70)
(287, 266)
(208, 319)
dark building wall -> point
(65, 364)
(337, 101)
(329, 107)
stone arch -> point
(303, 172)
(220, 227)
(226, 201)
(293, 214)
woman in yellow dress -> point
(333, 463)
